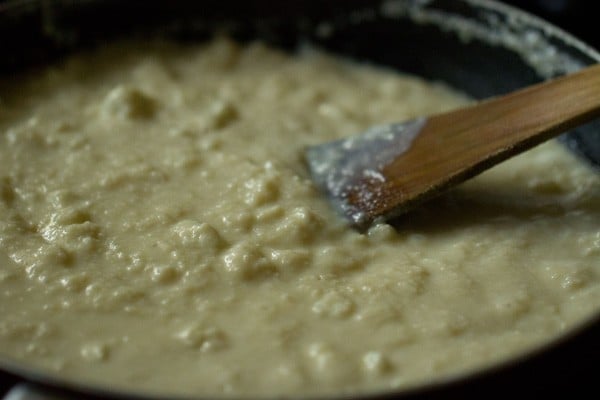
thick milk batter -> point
(159, 232)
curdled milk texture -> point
(159, 232)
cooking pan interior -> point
(480, 47)
(483, 48)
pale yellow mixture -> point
(159, 232)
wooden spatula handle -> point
(457, 145)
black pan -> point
(479, 46)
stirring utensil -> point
(389, 169)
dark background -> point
(574, 16)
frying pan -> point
(482, 47)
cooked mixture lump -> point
(159, 231)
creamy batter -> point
(159, 232)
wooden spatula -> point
(389, 169)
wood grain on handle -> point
(459, 144)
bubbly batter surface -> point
(159, 232)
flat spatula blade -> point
(348, 166)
